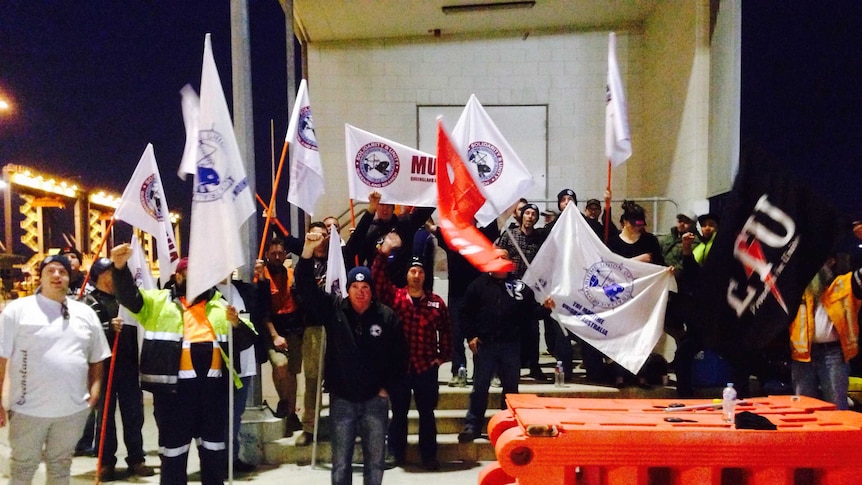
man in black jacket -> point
(366, 355)
(125, 387)
(497, 309)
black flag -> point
(774, 236)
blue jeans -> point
(503, 357)
(240, 396)
(368, 419)
(825, 377)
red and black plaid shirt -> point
(426, 324)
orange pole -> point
(272, 200)
(107, 398)
(608, 204)
(98, 251)
(353, 225)
(277, 222)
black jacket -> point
(499, 310)
(364, 353)
(107, 307)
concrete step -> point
(448, 451)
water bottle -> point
(559, 375)
(462, 376)
(728, 403)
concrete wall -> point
(377, 86)
(673, 139)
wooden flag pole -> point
(353, 225)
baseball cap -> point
(594, 202)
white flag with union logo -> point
(497, 169)
(614, 303)
(306, 172)
(402, 175)
(144, 206)
(221, 198)
(618, 139)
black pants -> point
(425, 390)
(126, 391)
(197, 410)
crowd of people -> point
(372, 350)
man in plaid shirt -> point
(428, 332)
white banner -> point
(221, 199)
(614, 303)
(402, 175)
(306, 172)
(144, 206)
(494, 165)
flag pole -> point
(98, 251)
(105, 407)
(608, 204)
(277, 222)
(353, 225)
(272, 200)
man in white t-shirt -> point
(54, 347)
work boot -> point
(142, 470)
(293, 423)
(107, 474)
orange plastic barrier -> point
(547, 441)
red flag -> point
(458, 200)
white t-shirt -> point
(49, 355)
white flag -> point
(306, 171)
(614, 303)
(336, 275)
(143, 279)
(221, 199)
(618, 139)
(144, 206)
(401, 174)
(494, 165)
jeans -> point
(825, 377)
(503, 357)
(459, 354)
(369, 420)
(240, 396)
(426, 393)
(28, 434)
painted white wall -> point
(378, 86)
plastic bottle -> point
(559, 376)
(728, 403)
(462, 376)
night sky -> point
(95, 81)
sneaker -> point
(240, 466)
(86, 452)
(453, 382)
(495, 382)
(142, 470)
(304, 439)
(293, 423)
(467, 436)
(107, 474)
